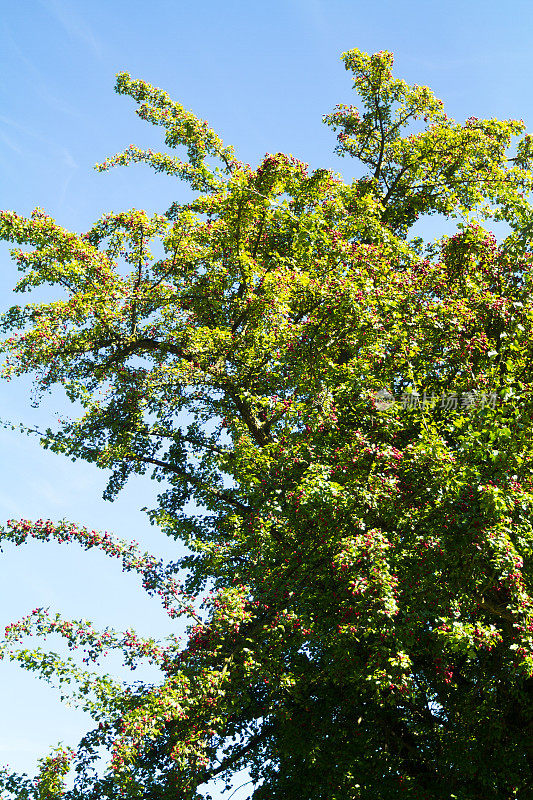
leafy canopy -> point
(340, 416)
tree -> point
(350, 410)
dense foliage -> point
(350, 411)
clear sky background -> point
(263, 74)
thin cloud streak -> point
(11, 144)
(74, 26)
(39, 84)
(315, 13)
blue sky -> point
(263, 74)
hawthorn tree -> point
(350, 410)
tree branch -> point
(217, 494)
(233, 759)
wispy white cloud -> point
(9, 506)
(64, 155)
(73, 24)
(17, 55)
(10, 143)
(14, 142)
(315, 13)
(18, 142)
(44, 490)
(68, 159)
(316, 16)
(71, 166)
